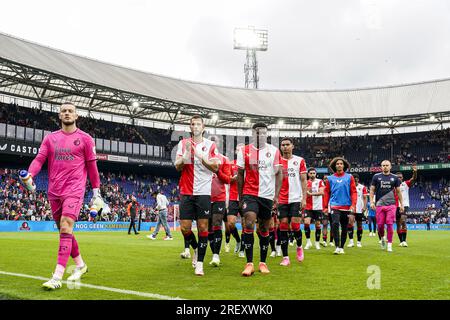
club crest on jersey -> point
(244, 205)
(204, 149)
(295, 163)
(77, 142)
(268, 154)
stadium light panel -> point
(215, 117)
(135, 104)
(247, 121)
(250, 39)
(432, 118)
(280, 122)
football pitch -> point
(125, 266)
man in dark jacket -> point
(132, 210)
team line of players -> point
(260, 180)
(270, 188)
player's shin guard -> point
(350, 231)
(211, 240)
(217, 239)
(227, 236)
(190, 239)
(359, 233)
(272, 238)
(65, 248)
(248, 239)
(263, 245)
(290, 236)
(307, 231)
(297, 233)
(318, 232)
(284, 237)
(202, 244)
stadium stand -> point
(408, 148)
(16, 203)
(41, 119)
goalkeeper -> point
(71, 157)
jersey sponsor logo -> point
(220, 209)
(77, 142)
(4, 147)
(206, 212)
(339, 181)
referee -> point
(132, 210)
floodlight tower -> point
(251, 40)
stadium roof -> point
(44, 74)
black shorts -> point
(261, 206)
(359, 217)
(398, 214)
(195, 207)
(289, 210)
(233, 208)
(219, 208)
(314, 214)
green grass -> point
(118, 260)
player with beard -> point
(71, 157)
(383, 188)
(196, 160)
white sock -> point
(79, 261)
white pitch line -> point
(131, 292)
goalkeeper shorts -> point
(69, 207)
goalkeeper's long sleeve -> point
(38, 162)
(94, 177)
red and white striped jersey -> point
(361, 192)
(234, 194)
(260, 167)
(404, 189)
(221, 180)
(314, 202)
(195, 177)
(291, 190)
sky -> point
(320, 44)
